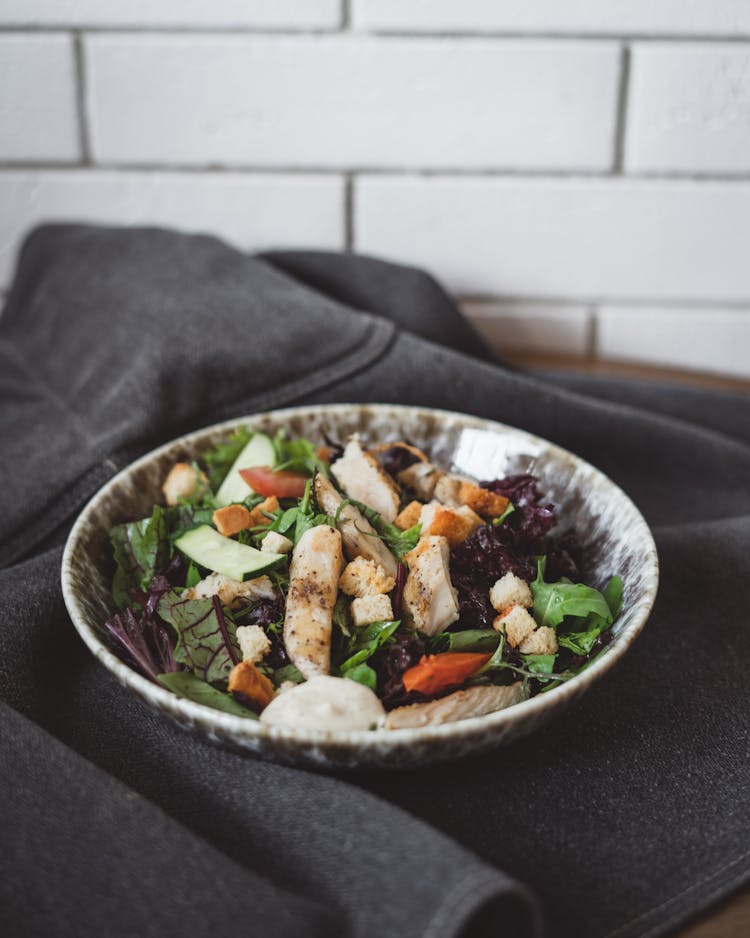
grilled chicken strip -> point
(359, 537)
(362, 477)
(460, 705)
(429, 596)
(313, 587)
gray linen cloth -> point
(623, 818)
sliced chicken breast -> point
(313, 587)
(359, 537)
(232, 592)
(460, 705)
(362, 477)
(429, 597)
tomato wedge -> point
(436, 672)
(282, 484)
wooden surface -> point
(730, 918)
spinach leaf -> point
(363, 674)
(220, 458)
(206, 635)
(612, 593)
(187, 685)
(141, 549)
(469, 640)
(581, 643)
(539, 664)
(184, 517)
(397, 541)
(554, 601)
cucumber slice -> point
(258, 452)
(221, 554)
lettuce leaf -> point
(553, 602)
(141, 549)
(362, 674)
(206, 635)
(365, 642)
(187, 685)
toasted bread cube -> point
(421, 478)
(254, 643)
(541, 642)
(510, 590)
(364, 577)
(257, 515)
(484, 502)
(250, 686)
(231, 520)
(454, 524)
(409, 516)
(275, 543)
(182, 481)
(517, 623)
(367, 609)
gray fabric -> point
(623, 818)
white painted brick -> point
(689, 109)
(575, 238)
(648, 17)
(702, 339)
(251, 212)
(339, 102)
(37, 98)
(295, 14)
(532, 328)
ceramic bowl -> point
(616, 538)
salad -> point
(351, 587)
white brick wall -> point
(577, 173)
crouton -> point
(182, 481)
(409, 516)
(275, 543)
(250, 686)
(517, 624)
(421, 478)
(510, 590)
(455, 525)
(364, 577)
(231, 520)
(324, 453)
(258, 516)
(232, 592)
(367, 609)
(254, 643)
(484, 502)
(541, 642)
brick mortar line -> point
(621, 121)
(84, 140)
(404, 173)
(228, 30)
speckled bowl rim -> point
(241, 727)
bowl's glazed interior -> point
(615, 536)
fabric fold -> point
(624, 817)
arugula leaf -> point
(366, 641)
(206, 635)
(184, 517)
(510, 508)
(220, 458)
(141, 549)
(363, 674)
(612, 593)
(297, 455)
(397, 541)
(288, 673)
(187, 685)
(554, 601)
(539, 664)
(581, 643)
(468, 640)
